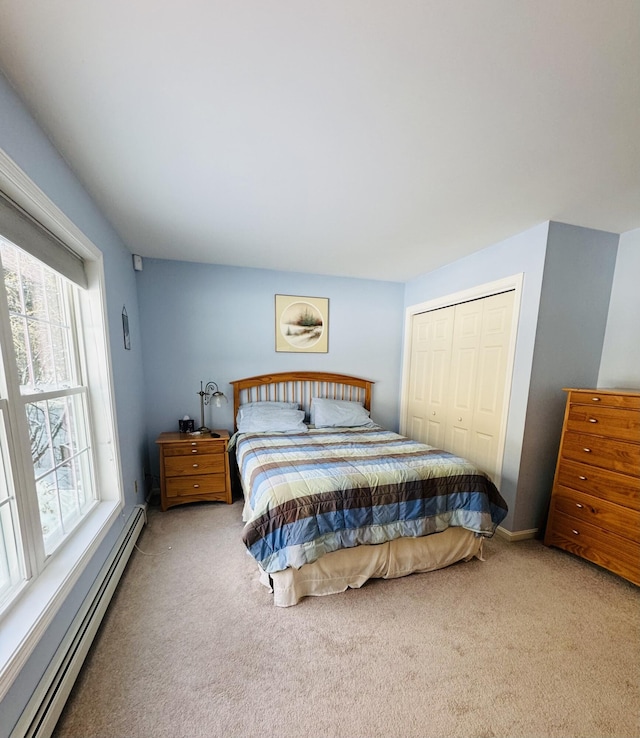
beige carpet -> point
(531, 642)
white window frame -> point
(31, 612)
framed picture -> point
(125, 329)
(302, 324)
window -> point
(41, 306)
(60, 477)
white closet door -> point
(429, 375)
(467, 331)
(491, 375)
(457, 376)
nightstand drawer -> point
(603, 452)
(187, 448)
(175, 466)
(619, 488)
(206, 484)
(598, 512)
(605, 421)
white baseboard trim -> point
(519, 535)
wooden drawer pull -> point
(584, 479)
(193, 443)
(596, 399)
(194, 450)
(196, 486)
(579, 505)
(575, 532)
(195, 466)
(587, 450)
(593, 420)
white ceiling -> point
(369, 138)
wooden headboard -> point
(300, 387)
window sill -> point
(28, 618)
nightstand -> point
(193, 468)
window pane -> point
(40, 432)
(41, 355)
(9, 568)
(41, 331)
(32, 283)
(20, 342)
(54, 303)
(62, 464)
(63, 499)
(9, 561)
(11, 281)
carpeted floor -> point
(532, 642)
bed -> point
(332, 500)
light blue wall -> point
(563, 312)
(524, 253)
(207, 322)
(572, 317)
(30, 149)
(620, 365)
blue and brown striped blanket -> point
(312, 493)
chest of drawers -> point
(193, 468)
(595, 503)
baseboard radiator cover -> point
(41, 714)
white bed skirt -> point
(352, 567)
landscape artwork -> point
(302, 324)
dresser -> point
(193, 468)
(595, 503)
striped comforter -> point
(312, 493)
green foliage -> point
(308, 320)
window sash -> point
(51, 499)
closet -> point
(457, 373)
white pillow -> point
(261, 418)
(270, 403)
(338, 414)
(255, 408)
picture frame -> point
(125, 329)
(302, 324)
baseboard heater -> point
(41, 714)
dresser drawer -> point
(615, 553)
(595, 398)
(205, 484)
(598, 512)
(603, 452)
(175, 466)
(605, 421)
(613, 486)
